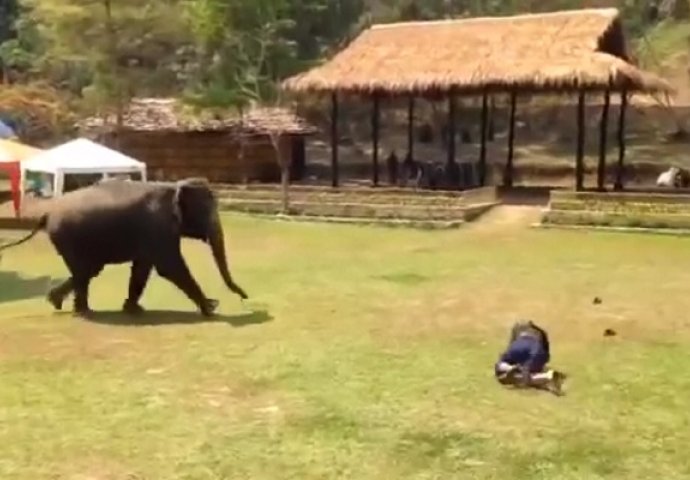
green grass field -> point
(368, 354)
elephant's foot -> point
(132, 308)
(55, 299)
(209, 307)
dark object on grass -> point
(597, 301)
(609, 332)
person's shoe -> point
(557, 382)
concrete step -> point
(619, 207)
(355, 190)
(349, 210)
(345, 197)
(382, 222)
(617, 219)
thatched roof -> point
(557, 51)
(169, 115)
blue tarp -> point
(6, 131)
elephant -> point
(118, 222)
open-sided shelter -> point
(579, 52)
(175, 142)
(81, 157)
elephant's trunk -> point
(216, 241)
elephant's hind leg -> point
(82, 279)
(141, 270)
(57, 294)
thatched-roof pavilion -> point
(578, 51)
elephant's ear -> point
(183, 188)
(192, 197)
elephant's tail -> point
(42, 222)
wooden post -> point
(603, 132)
(410, 126)
(508, 174)
(580, 154)
(451, 128)
(491, 129)
(334, 139)
(621, 141)
(482, 150)
(375, 114)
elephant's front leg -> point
(141, 270)
(174, 268)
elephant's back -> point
(105, 219)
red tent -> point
(11, 155)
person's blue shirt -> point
(527, 351)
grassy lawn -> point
(368, 354)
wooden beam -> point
(621, 141)
(334, 139)
(482, 149)
(580, 154)
(451, 129)
(410, 126)
(603, 133)
(508, 173)
(375, 116)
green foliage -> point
(665, 44)
(9, 10)
(106, 49)
(243, 49)
(39, 110)
(225, 53)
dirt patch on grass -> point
(503, 217)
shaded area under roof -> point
(552, 52)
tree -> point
(122, 47)
(244, 50)
(38, 111)
(9, 9)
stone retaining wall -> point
(653, 209)
(361, 203)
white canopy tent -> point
(80, 157)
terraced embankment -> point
(640, 210)
(382, 206)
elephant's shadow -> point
(154, 318)
(16, 287)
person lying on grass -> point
(524, 362)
